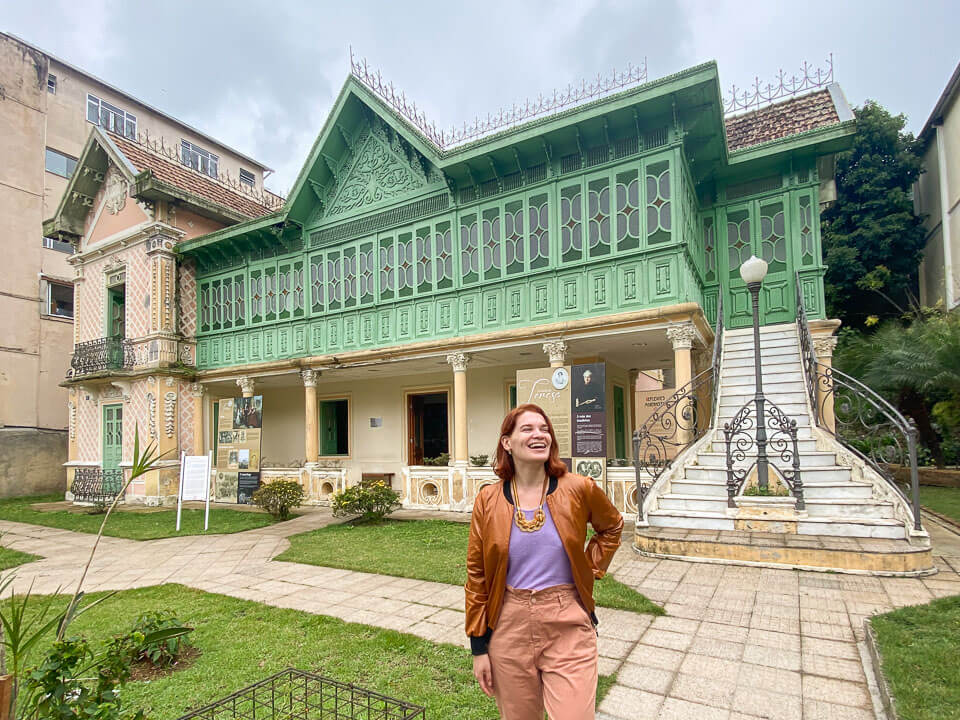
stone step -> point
(746, 379)
(834, 474)
(740, 387)
(766, 353)
(812, 490)
(781, 329)
(808, 459)
(820, 508)
(790, 405)
(727, 413)
(768, 340)
(805, 442)
(777, 364)
(829, 526)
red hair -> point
(503, 463)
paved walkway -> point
(738, 643)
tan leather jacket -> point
(573, 501)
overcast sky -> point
(261, 76)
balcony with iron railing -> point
(101, 355)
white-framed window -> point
(247, 177)
(198, 158)
(60, 164)
(59, 299)
(110, 117)
(58, 245)
(52, 84)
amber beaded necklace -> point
(538, 517)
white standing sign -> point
(195, 483)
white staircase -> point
(844, 498)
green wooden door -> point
(619, 423)
(112, 437)
(761, 228)
(116, 319)
(328, 428)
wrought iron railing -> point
(108, 353)
(742, 434)
(295, 694)
(677, 423)
(96, 485)
(860, 418)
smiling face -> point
(530, 440)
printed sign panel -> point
(195, 478)
(647, 403)
(594, 468)
(589, 410)
(550, 389)
(225, 487)
(238, 450)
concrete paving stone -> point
(719, 631)
(428, 630)
(607, 666)
(833, 667)
(613, 648)
(769, 679)
(822, 710)
(678, 709)
(772, 657)
(831, 648)
(622, 625)
(689, 589)
(714, 668)
(382, 606)
(727, 617)
(767, 598)
(673, 624)
(692, 612)
(629, 703)
(704, 690)
(447, 618)
(774, 624)
(772, 706)
(827, 631)
(664, 638)
(774, 639)
(658, 657)
(840, 692)
(833, 617)
(644, 677)
(716, 648)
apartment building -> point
(48, 110)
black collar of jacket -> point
(508, 493)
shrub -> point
(279, 497)
(161, 652)
(441, 459)
(372, 502)
(479, 460)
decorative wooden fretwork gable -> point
(380, 172)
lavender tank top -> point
(537, 560)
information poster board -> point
(239, 428)
(194, 484)
(574, 397)
(647, 403)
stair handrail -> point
(860, 418)
(677, 423)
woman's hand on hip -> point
(483, 673)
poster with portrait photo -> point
(594, 468)
(588, 410)
(589, 384)
(248, 412)
(238, 447)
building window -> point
(198, 158)
(52, 84)
(110, 117)
(58, 245)
(59, 300)
(334, 439)
(247, 178)
(60, 164)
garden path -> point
(738, 643)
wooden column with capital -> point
(458, 361)
(557, 350)
(682, 336)
(247, 386)
(310, 435)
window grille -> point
(537, 173)
(247, 177)
(570, 163)
(754, 187)
(380, 221)
(626, 146)
(198, 158)
(597, 155)
(110, 117)
(654, 139)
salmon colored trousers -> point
(543, 655)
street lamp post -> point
(753, 271)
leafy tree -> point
(872, 240)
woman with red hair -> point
(529, 592)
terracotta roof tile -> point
(172, 172)
(781, 120)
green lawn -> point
(945, 501)
(132, 525)
(11, 558)
(422, 549)
(919, 647)
(242, 642)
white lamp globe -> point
(753, 270)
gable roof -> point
(791, 117)
(940, 109)
(181, 176)
(151, 175)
